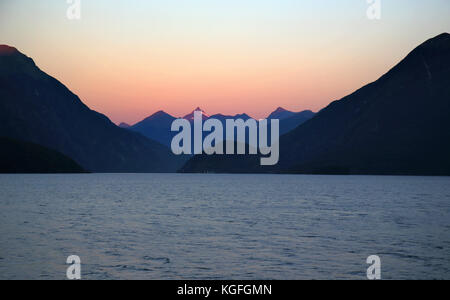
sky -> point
(130, 58)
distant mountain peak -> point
(280, 109)
(191, 115)
(157, 116)
(243, 116)
(160, 113)
(124, 125)
(281, 113)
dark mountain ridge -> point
(35, 107)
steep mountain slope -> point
(37, 108)
(397, 125)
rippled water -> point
(176, 226)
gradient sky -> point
(130, 58)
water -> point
(176, 226)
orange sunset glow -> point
(226, 58)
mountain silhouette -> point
(37, 108)
(156, 127)
(281, 113)
(398, 124)
(23, 157)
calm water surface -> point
(176, 226)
